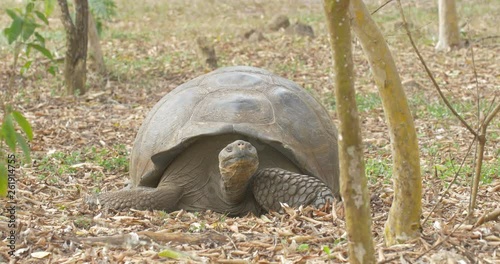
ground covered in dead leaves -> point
(81, 144)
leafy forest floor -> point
(81, 145)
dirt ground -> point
(81, 145)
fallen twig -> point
(487, 217)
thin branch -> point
(477, 85)
(491, 115)
(380, 7)
(451, 183)
(479, 160)
(407, 29)
(66, 17)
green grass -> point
(309, 18)
(494, 136)
(436, 108)
(376, 168)
(448, 168)
(490, 171)
(83, 222)
(365, 102)
(289, 67)
(124, 35)
(368, 102)
(59, 164)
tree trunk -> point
(403, 222)
(75, 63)
(95, 46)
(353, 182)
(449, 35)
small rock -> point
(301, 29)
(254, 35)
(278, 22)
(207, 52)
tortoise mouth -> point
(239, 160)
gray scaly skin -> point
(142, 198)
(274, 186)
(270, 186)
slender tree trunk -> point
(403, 222)
(75, 63)
(449, 35)
(95, 46)
(353, 182)
(479, 158)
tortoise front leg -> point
(273, 186)
(143, 198)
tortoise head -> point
(238, 161)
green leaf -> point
(42, 50)
(3, 180)
(303, 247)
(102, 9)
(15, 30)
(28, 50)
(42, 17)
(12, 14)
(29, 7)
(9, 132)
(49, 7)
(40, 39)
(327, 250)
(6, 31)
(52, 70)
(170, 253)
(23, 123)
(28, 30)
(26, 67)
(24, 146)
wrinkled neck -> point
(234, 181)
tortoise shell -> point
(238, 100)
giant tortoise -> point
(236, 140)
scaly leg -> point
(274, 185)
(143, 198)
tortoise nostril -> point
(241, 144)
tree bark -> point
(403, 222)
(95, 46)
(75, 63)
(449, 35)
(353, 182)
